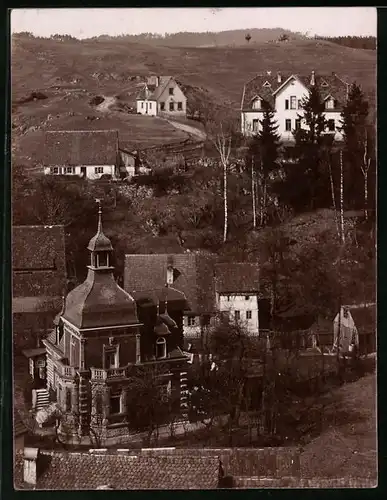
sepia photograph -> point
(194, 248)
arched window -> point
(161, 348)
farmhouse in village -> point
(284, 92)
(209, 288)
(102, 334)
(91, 154)
(162, 95)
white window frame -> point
(331, 120)
(69, 170)
(288, 121)
(255, 124)
(98, 170)
(191, 321)
(161, 342)
(54, 170)
(115, 396)
(293, 102)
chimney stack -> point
(312, 79)
(279, 78)
(30, 465)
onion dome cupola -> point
(99, 301)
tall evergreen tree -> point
(354, 127)
(262, 157)
(307, 176)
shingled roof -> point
(81, 147)
(235, 277)
(120, 471)
(39, 261)
(265, 85)
(154, 92)
(193, 276)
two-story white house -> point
(162, 95)
(284, 93)
(237, 293)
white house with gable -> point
(284, 93)
(162, 95)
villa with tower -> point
(102, 335)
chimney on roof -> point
(279, 77)
(31, 456)
(269, 73)
(312, 79)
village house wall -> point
(147, 107)
(93, 172)
(175, 99)
(247, 307)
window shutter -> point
(286, 103)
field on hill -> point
(71, 72)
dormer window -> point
(257, 103)
(161, 348)
(330, 103)
(324, 84)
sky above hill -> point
(85, 23)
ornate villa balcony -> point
(67, 371)
(108, 374)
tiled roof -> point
(39, 261)
(237, 277)
(256, 87)
(155, 92)
(364, 318)
(89, 471)
(36, 304)
(194, 276)
(78, 147)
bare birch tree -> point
(365, 166)
(220, 131)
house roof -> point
(99, 301)
(89, 471)
(79, 147)
(193, 276)
(154, 92)
(39, 261)
(151, 298)
(35, 305)
(364, 318)
(256, 86)
(237, 277)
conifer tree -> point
(308, 177)
(357, 151)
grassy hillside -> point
(71, 72)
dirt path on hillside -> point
(192, 131)
(105, 105)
